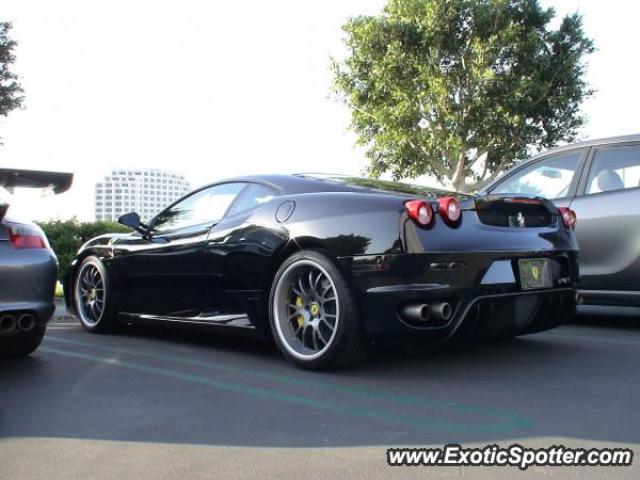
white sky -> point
(218, 88)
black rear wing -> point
(11, 178)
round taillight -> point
(420, 212)
(449, 209)
(568, 217)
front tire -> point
(313, 314)
(93, 300)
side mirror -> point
(132, 220)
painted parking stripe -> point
(507, 421)
(592, 338)
(358, 411)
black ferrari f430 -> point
(329, 265)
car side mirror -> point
(132, 220)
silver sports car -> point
(600, 181)
(28, 266)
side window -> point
(205, 206)
(251, 197)
(614, 168)
(550, 178)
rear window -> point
(251, 197)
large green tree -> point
(10, 89)
(460, 89)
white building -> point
(143, 191)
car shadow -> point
(157, 384)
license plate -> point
(535, 273)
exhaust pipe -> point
(8, 323)
(441, 310)
(418, 312)
(26, 322)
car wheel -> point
(22, 344)
(313, 314)
(93, 302)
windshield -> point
(386, 185)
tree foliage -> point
(66, 237)
(10, 89)
(460, 89)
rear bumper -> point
(484, 303)
(43, 311)
(27, 281)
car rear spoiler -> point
(11, 178)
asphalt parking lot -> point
(157, 403)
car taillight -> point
(26, 236)
(449, 209)
(420, 212)
(568, 216)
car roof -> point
(285, 183)
(314, 183)
(586, 143)
(594, 142)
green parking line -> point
(593, 338)
(357, 411)
(508, 421)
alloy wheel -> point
(90, 294)
(306, 309)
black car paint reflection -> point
(227, 266)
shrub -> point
(66, 237)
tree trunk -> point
(459, 175)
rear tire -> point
(93, 299)
(313, 314)
(22, 344)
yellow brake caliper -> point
(299, 318)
